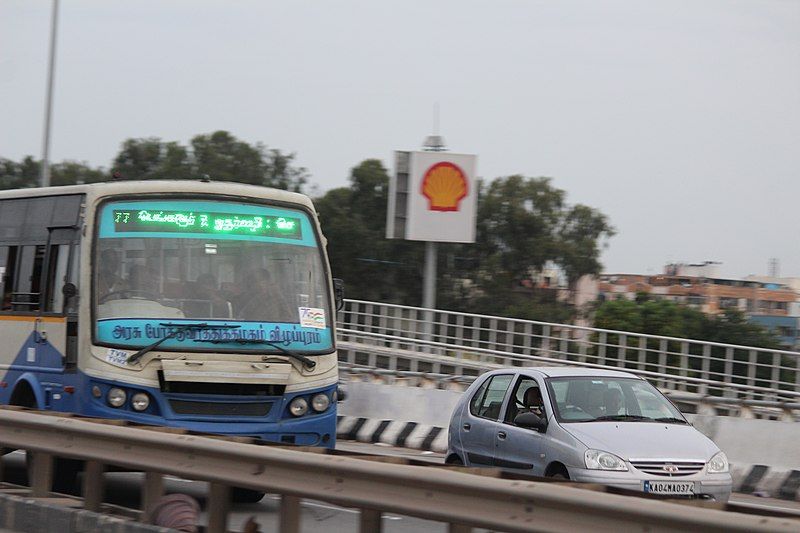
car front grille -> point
(669, 468)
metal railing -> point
(461, 499)
(432, 340)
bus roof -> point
(110, 188)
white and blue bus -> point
(193, 304)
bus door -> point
(59, 294)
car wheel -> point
(559, 473)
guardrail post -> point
(705, 368)
(458, 528)
(219, 502)
(751, 372)
(546, 341)
(642, 357)
(776, 373)
(371, 521)
(684, 370)
(623, 345)
(290, 514)
(152, 491)
(601, 348)
(93, 486)
(41, 474)
(728, 377)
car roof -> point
(569, 371)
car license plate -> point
(682, 488)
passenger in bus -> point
(142, 282)
(205, 300)
(265, 301)
(108, 279)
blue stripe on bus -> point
(140, 332)
(47, 378)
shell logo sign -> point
(444, 185)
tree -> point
(221, 156)
(669, 319)
(581, 231)
(524, 225)
(354, 221)
(20, 175)
(72, 172)
(218, 155)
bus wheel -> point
(65, 474)
(240, 495)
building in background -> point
(768, 301)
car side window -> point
(524, 402)
(489, 398)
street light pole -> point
(44, 180)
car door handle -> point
(467, 426)
(501, 435)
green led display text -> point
(145, 220)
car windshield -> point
(257, 270)
(596, 399)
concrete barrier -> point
(764, 454)
(27, 515)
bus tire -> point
(240, 495)
(65, 474)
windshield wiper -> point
(622, 417)
(310, 363)
(179, 328)
(672, 419)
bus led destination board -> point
(157, 220)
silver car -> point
(599, 426)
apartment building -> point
(771, 302)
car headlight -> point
(600, 460)
(320, 402)
(719, 464)
(116, 397)
(298, 407)
(140, 401)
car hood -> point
(644, 440)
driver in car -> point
(532, 402)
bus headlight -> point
(298, 407)
(140, 401)
(320, 402)
(116, 397)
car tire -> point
(560, 474)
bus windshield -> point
(255, 269)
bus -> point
(192, 304)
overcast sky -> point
(678, 119)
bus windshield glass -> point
(253, 271)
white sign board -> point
(437, 200)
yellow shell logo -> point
(444, 185)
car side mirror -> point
(338, 293)
(531, 421)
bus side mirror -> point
(69, 290)
(338, 293)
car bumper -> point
(711, 486)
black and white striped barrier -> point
(761, 480)
(393, 433)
